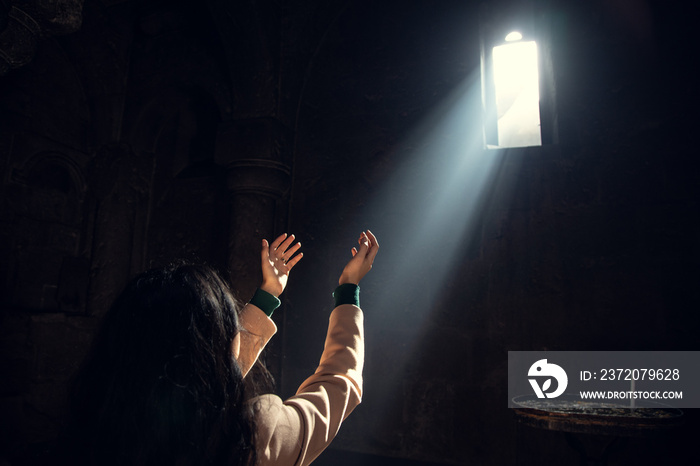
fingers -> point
(283, 242)
(369, 246)
(290, 252)
(280, 250)
(364, 241)
(293, 261)
(372, 238)
(374, 245)
(286, 243)
(276, 243)
(365, 245)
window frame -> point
(494, 25)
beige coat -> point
(295, 431)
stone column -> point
(254, 154)
(119, 181)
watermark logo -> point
(627, 379)
(542, 369)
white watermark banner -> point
(615, 379)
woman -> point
(164, 381)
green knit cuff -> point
(265, 301)
(347, 293)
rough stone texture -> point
(162, 130)
(24, 23)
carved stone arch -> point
(178, 130)
(190, 111)
(197, 121)
(255, 42)
(49, 264)
(23, 24)
(57, 172)
(64, 100)
(47, 101)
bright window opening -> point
(517, 96)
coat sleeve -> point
(297, 430)
(256, 330)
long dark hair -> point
(160, 385)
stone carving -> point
(24, 23)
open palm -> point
(278, 259)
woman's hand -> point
(361, 261)
(277, 261)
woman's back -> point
(163, 383)
(159, 386)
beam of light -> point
(427, 210)
(428, 218)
